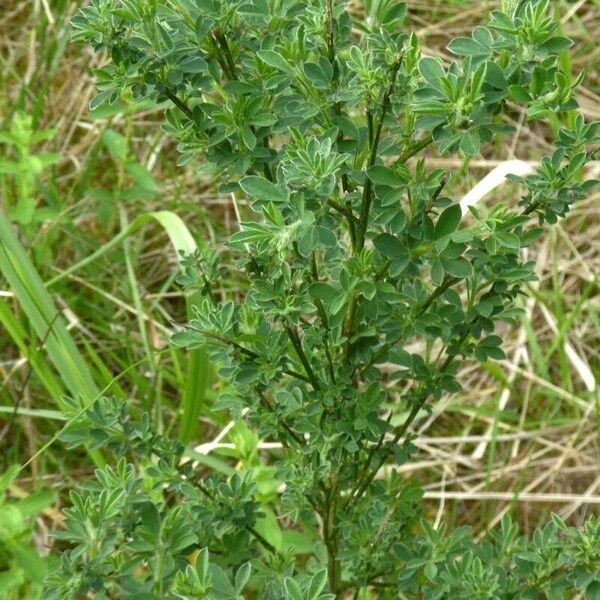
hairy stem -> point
(324, 320)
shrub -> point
(350, 254)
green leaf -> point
(389, 246)
(317, 75)
(251, 233)
(142, 177)
(530, 236)
(502, 22)
(317, 583)
(395, 14)
(437, 272)
(292, 589)
(510, 240)
(24, 211)
(494, 75)
(9, 168)
(101, 99)
(275, 60)
(268, 527)
(358, 59)
(322, 291)
(448, 222)
(248, 138)
(519, 94)
(46, 321)
(338, 303)
(116, 144)
(242, 576)
(384, 176)
(470, 143)
(592, 592)
(483, 36)
(458, 267)
(262, 189)
(430, 571)
(432, 71)
(467, 47)
(221, 586)
(556, 44)
(151, 519)
(33, 505)
(186, 339)
(193, 64)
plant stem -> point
(414, 149)
(448, 282)
(330, 35)
(265, 402)
(344, 211)
(376, 135)
(180, 104)
(259, 538)
(158, 573)
(297, 343)
(228, 55)
(337, 106)
(225, 59)
(324, 321)
(330, 537)
(249, 353)
(383, 269)
(367, 199)
(417, 406)
(349, 326)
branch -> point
(368, 189)
(266, 544)
(266, 404)
(180, 104)
(324, 321)
(344, 210)
(247, 352)
(414, 149)
(297, 343)
(367, 478)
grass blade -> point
(46, 321)
(196, 381)
(43, 315)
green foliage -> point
(20, 169)
(352, 254)
(22, 569)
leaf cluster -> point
(367, 286)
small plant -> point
(20, 170)
(352, 253)
(22, 569)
